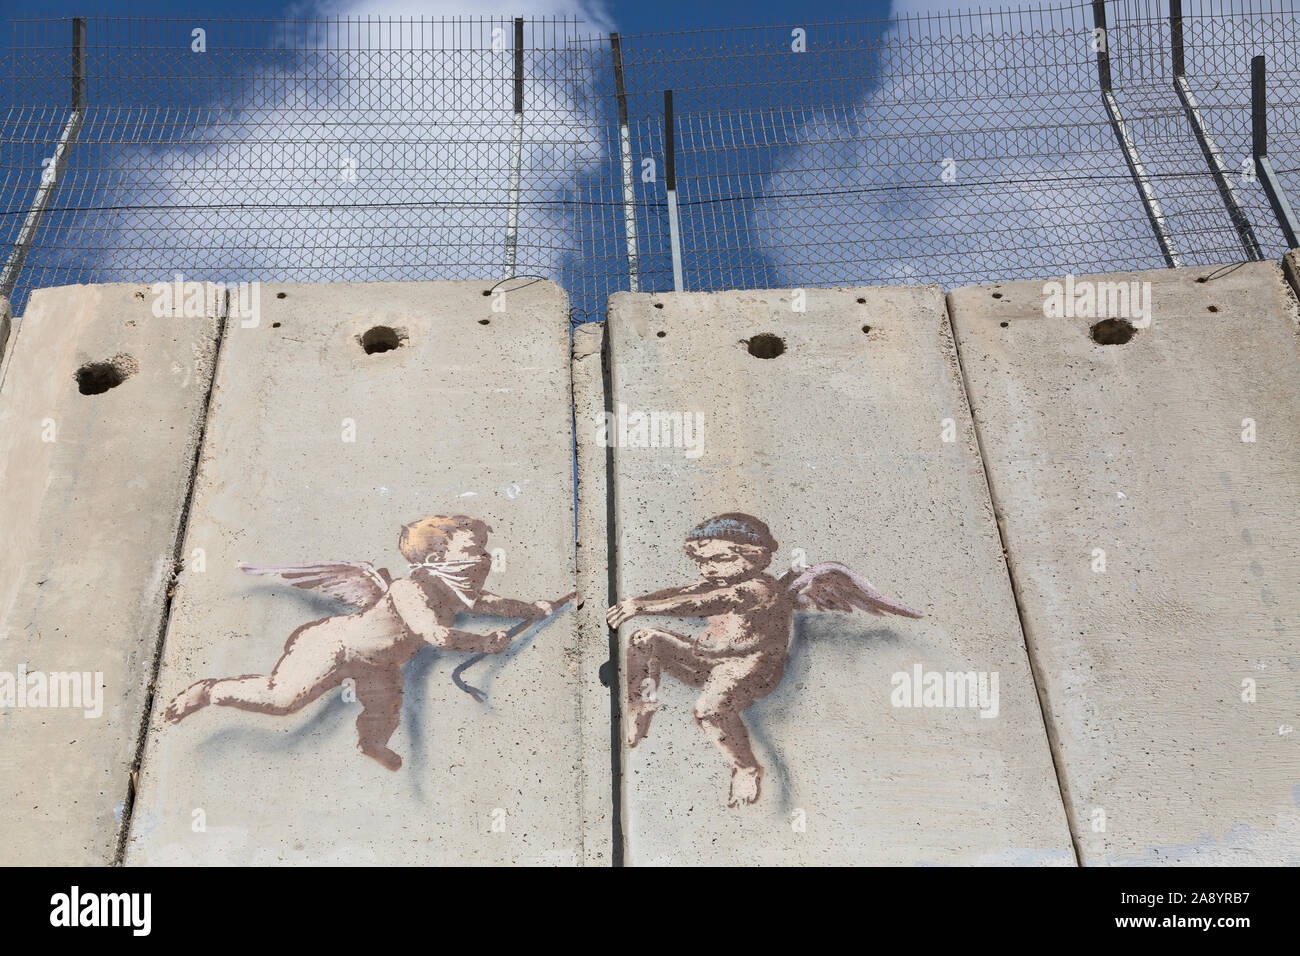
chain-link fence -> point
(952, 149)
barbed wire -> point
(954, 149)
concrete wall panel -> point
(853, 445)
(93, 481)
(318, 451)
(1148, 492)
(593, 582)
(6, 322)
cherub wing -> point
(358, 583)
(831, 586)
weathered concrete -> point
(470, 415)
(593, 582)
(1291, 267)
(6, 323)
(1154, 551)
(92, 488)
(839, 446)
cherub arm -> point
(512, 608)
(690, 601)
(409, 603)
(674, 601)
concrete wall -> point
(318, 451)
(1134, 505)
(1148, 492)
(6, 323)
(594, 637)
(853, 445)
(1291, 267)
(93, 483)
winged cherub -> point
(394, 620)
(740, 655)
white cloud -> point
(381, 151)
(391, 161)
(1040, 186)
(592, 12)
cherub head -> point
(730, 547)
(444, 538)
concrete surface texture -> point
(1148, 493)
(100, 414)
(844, 429)
(347, 413)
(6, 323)
(593, 581)
(750, 466)
(1291, 267)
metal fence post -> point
(1221, 174)
(1259, 146)
(516, 153)
(625, 153)
(53, 166)
(1149, 201)
(670, 176)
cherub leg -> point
(651, 651)
(734, 684)
(308, 668)
(379, 691)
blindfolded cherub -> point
(449, 562)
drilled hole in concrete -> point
(1212, 308)
(484, 321)
(997, 295)
(281, 295)
(381, 338)
(659, 305)
(1004, 324)
(96, 378)
(275, 325)
(1112, 331)
(862, 301)
(866, 330)
(660, 335)
(1203, 279)
(766, 346)
(487, 292)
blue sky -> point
(631, 17)
(164, 164)
(818, 170)
(628, 16)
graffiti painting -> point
(740, 655)
(393, 620)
